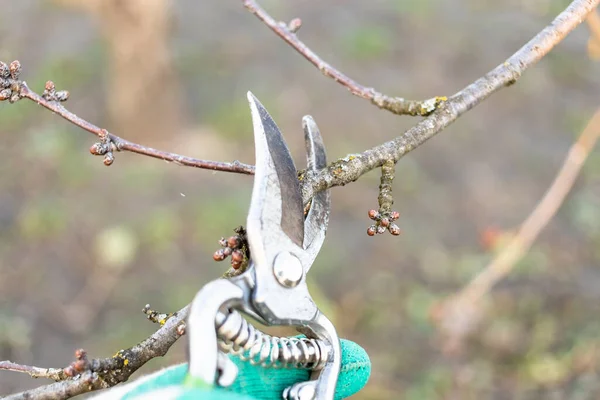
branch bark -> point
(56, 374)
(352, 167)
(125, 145)
(396, 105)
(107, 372)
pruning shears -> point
(283, 243)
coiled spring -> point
(241, 338)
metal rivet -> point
(288, 269)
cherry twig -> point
(120, 144)
(396, 105)
(352, 167)
(56, 374)
(103, 373)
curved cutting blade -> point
(276, 186)
(315, 225)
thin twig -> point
(352, 167)
(396, 105)
(125, 145)
(463, 306)
(107, 372)
(56, 374)
(385, 217)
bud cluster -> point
(104, 148)
(10, 86)
(81, 364)
(51, 94)
(383, 221)
(235, 246)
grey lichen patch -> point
(402, 106)
(430, 105)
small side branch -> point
(385, 217)
(56, 374)
(88, 375)
(121, 144)
(13, 89)
(350, 168)
(396, 105)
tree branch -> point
(56, 374)
(396, 105)
(121, 144)
(353, 166)
(107, 372)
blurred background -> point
(84, 247)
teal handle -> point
(252, 382)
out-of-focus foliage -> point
(84, 247)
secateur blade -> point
(273, 160)
(282, 245)
(275, 172)
(317, 219)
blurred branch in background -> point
(459, 315)
(593, 21)
(138, 35)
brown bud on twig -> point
(109, 159)
(4, 70)
(49, 87)
(80, 354)
(219, 255)
(15, 69)
(14, 98)
(237, 256)
(233, 242)
(79, 365)
(295, 25)
(181, 329)
(62, 95)
(69, 371)
(98, 149)
(5, 94)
